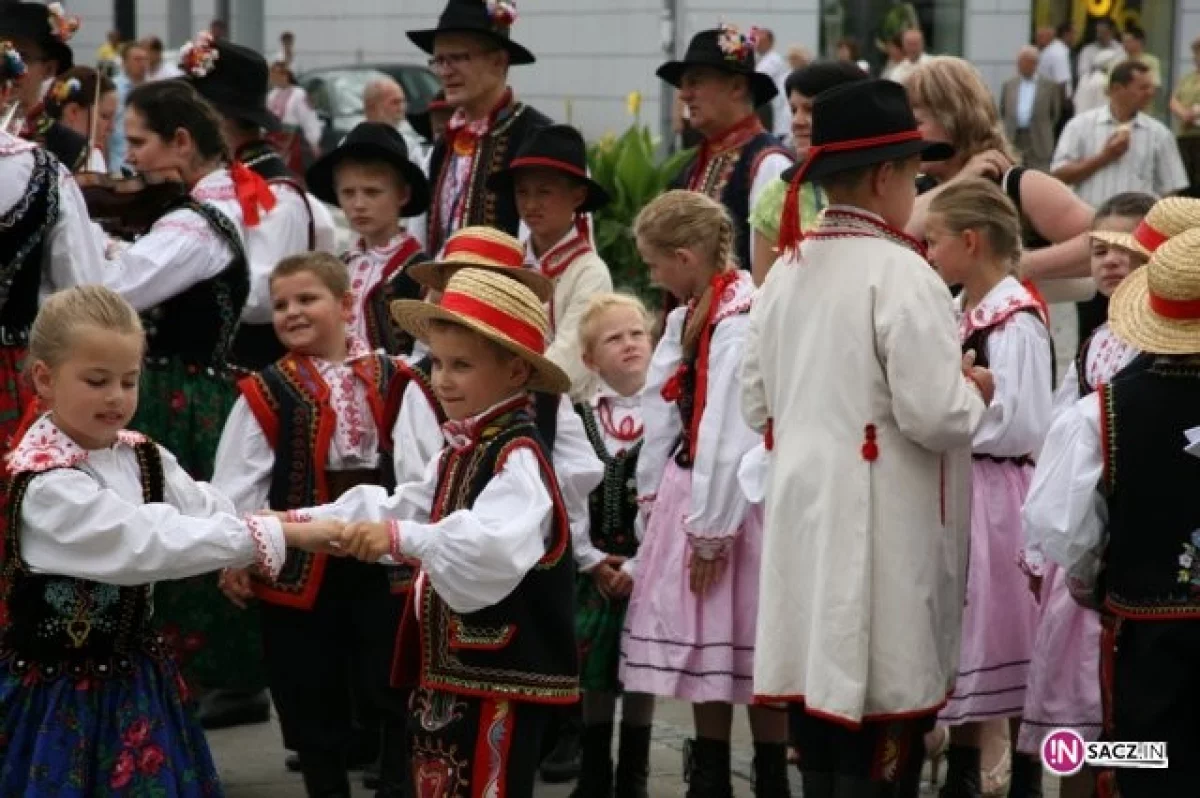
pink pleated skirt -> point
(676, 644)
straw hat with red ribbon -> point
(1168, 218)
(854, 125)
(500, 309)
(1157, 308)
(482, 248)
(1124, 241)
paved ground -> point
(251, 761)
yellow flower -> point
(634, 102)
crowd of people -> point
(447, 500)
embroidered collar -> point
(462, 133)
(609, 394)
(356, 348)
(1006, 298)
(385, 251)
(847, 221)
(736, 297)
(216, 186)
(465, 433)
(733, 138)
(44, 446)
(559, 257)
(256, 153)
(11, 145)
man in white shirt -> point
(160, 69)
(913, 44)
(771, 64)
(1055, 61)
(1105, 43)
(1116, 147)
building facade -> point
(592, 54)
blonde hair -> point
(62, 313)
(952, 91)
(690, 220)
(325, 267)
(600, 304)
(978, 204)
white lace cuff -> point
(710, 547)
(270, 547)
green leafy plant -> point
(633, 174)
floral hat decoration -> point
(199, 56)
(502, 12)
(493, 19)
(48, 27)
(727, 49)
(736, 45)
(64, 90)
(62, 25)
(12, 66)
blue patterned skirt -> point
(128, 735)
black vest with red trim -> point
(24, 229)
(728, 178)
(612, 507)
(522, 648)
(53, 625)
(494, 152)
(1152, 564)
(395, 283)
(291, 401)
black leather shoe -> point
(562, 763)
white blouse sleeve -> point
(75, 248)
(1065, 515)
(579, 472)
(718, 505)
(1016, 421)
(180, 250)
(1068, 391)
(755, 410)
(245, 460)
(73, 526)
(475, 558)
(660, 418)
(325, 229)
(283, 231)
(416, 436)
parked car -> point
(337, 93)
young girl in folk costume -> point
(614, 339)
(974, 241)
(91, 702)
(75, 101)
(690, 624)
(1064, 678)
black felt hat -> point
(375, 141)
(727, 50)
(492, 19)
(863, 123)
(36, 23)
(557, 147)
(233, 78)
(422, 121)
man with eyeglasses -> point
(40, 34)
(471, 53)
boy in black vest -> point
(305, 430)
(1136, 537)
(488, 639)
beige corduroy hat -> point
(482, 247)
(1157, 308)
(1168, 218)
(497, 307)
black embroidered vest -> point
(54, 625)
(612, 507)
(382, 330)
(24, 229)
(729, 183)
(522, 648)
(1152, 564)
(197, 326)
(480, 206)
(291, 402)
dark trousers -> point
(1156, 698)
(464, 745)
(890, 752)
(1189, 152)
(313, 657)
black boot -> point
(706, 768)
(595, 763)
(770, 771)
(1026, 779)
(395, 763)
(562, 763)
(962, 773)
(324, 775)
(633, 762)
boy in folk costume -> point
(472, 51)
(488, 637)
(553, 192)
(370, 177)
(864, 554)
(305, 430)
(1128, 534)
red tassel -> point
(253, 192)
(769, 435)
(672, 388)
(870, 449)
(790, 231)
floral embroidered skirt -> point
(598, 624)
(16, 394)
(184, 409)
(121, 736)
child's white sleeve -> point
(71, 525)
(244, 461)
(410, 501)
(660, 418)
(579, 472)
(1018, 417)
(416, 435)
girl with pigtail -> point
(689, 631)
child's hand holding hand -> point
(235, 584)
(368, 541)
(320, 537)
(621, 585)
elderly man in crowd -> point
(384, 101)
(771, 64)
(1030, 106)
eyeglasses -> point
(448, 60)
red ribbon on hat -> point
(253, 192)
(498, 252)
(790, 232)
(1177, 309)
(1148, 237)
(524, 333)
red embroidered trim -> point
(268, 550)
(394, 548)
(627, 431)
(870, 449)
(559, 258)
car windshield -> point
(346, 90)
